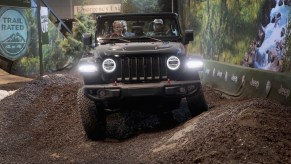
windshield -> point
(142, 27)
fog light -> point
(191, 88)
(182, 90)
(102, 93)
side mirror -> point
(87, 39)
(189, 36)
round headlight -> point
(109, 65)
(173, 63)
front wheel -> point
(197, 103)
(93, 117)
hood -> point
(141, 47)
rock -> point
(4, 94)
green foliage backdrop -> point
(72, 46)
(61, 52)
(287, 59)
(138, 6)
(223, 29)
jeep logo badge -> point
(14, 33)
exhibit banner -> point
(243, 82)
(44, 20)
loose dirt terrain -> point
(40, 123)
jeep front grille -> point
(142, 69)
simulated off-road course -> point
(40, 123)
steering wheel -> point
(159, 33)
(114, 35)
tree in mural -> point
(60, 52)
(29, 64)
(72, 45)
(66, 50)
(287, 53)
(138, 6)
(223, 28)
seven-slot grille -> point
(142, 68)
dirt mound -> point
(251, 131)
(41, 109)
(40, 123)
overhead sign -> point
(14, 33)
(90, 9)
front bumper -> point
(119, 91)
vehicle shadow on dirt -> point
(127, 123)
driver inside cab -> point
(117, 29)
(158, 28)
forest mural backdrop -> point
(252, 33)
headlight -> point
(109, 65)
(192, 64)
(173, 63)
(87, 68)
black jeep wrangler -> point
(137, 61)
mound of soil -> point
(40, 123)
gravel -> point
(39, 123)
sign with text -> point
(89, 9)
(44, 24)
(14, 33)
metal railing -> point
(55, 19)
(61, 24)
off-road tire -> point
(197, 103)
(93, 117)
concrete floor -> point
(6, 78)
